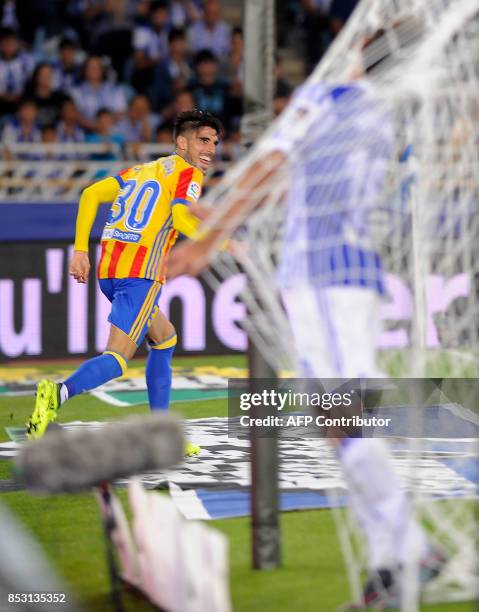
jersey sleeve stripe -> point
(115, 256)
(184, 181)
(156, 249)
(159, 251)
(137, 262)
(162, 267)
(152, 254)
(120, 175)
(100, 262)
(121, 182)
(180, 201)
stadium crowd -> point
(119, 71)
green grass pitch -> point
(312, 576)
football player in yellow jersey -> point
(151, 203)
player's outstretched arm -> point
(91, 197)
(200, 211)
(184, 221)
(249, 193)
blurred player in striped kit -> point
(335, 143)
(151, 203)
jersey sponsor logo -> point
(194, 190)
(168, 165)
(125, 236)
(135, 169)
(107, 233)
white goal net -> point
(423, 73)
(379, 168)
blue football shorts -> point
(134, 304)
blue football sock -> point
(159, 374)
(95, 372)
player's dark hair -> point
(205, 55)
(67, 42)
(183, 90)
(7, 33)
(176, 34)
(168, 126)
(48, 128)
(38, 68)
(103, 111)
(66, 98)
(156, 5)
(194, 120)
(26, 100)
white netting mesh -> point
(422, 111)
(385, 167)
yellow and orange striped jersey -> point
(139, 232)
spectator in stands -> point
(40, 88)
(182, 102)
(282, 88)
(67, 68)
(139, 123)
(340, 12)
(39, 19)
(322, 21)
(232, 148)
(95, 92)
(172, 73)
(184, 13)
(233, 69)
(8, 14)
(137, 12)
(50, 137)
(150, 44)
(23, 128)
(317, 27)
(16, 67)
(51, 154)
(89, 17)
(106, 133)
(210, 92)
(211, 32)
(49, 134)
(68, 128)
(164, 134)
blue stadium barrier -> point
(24, 222)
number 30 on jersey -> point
(136, 204)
